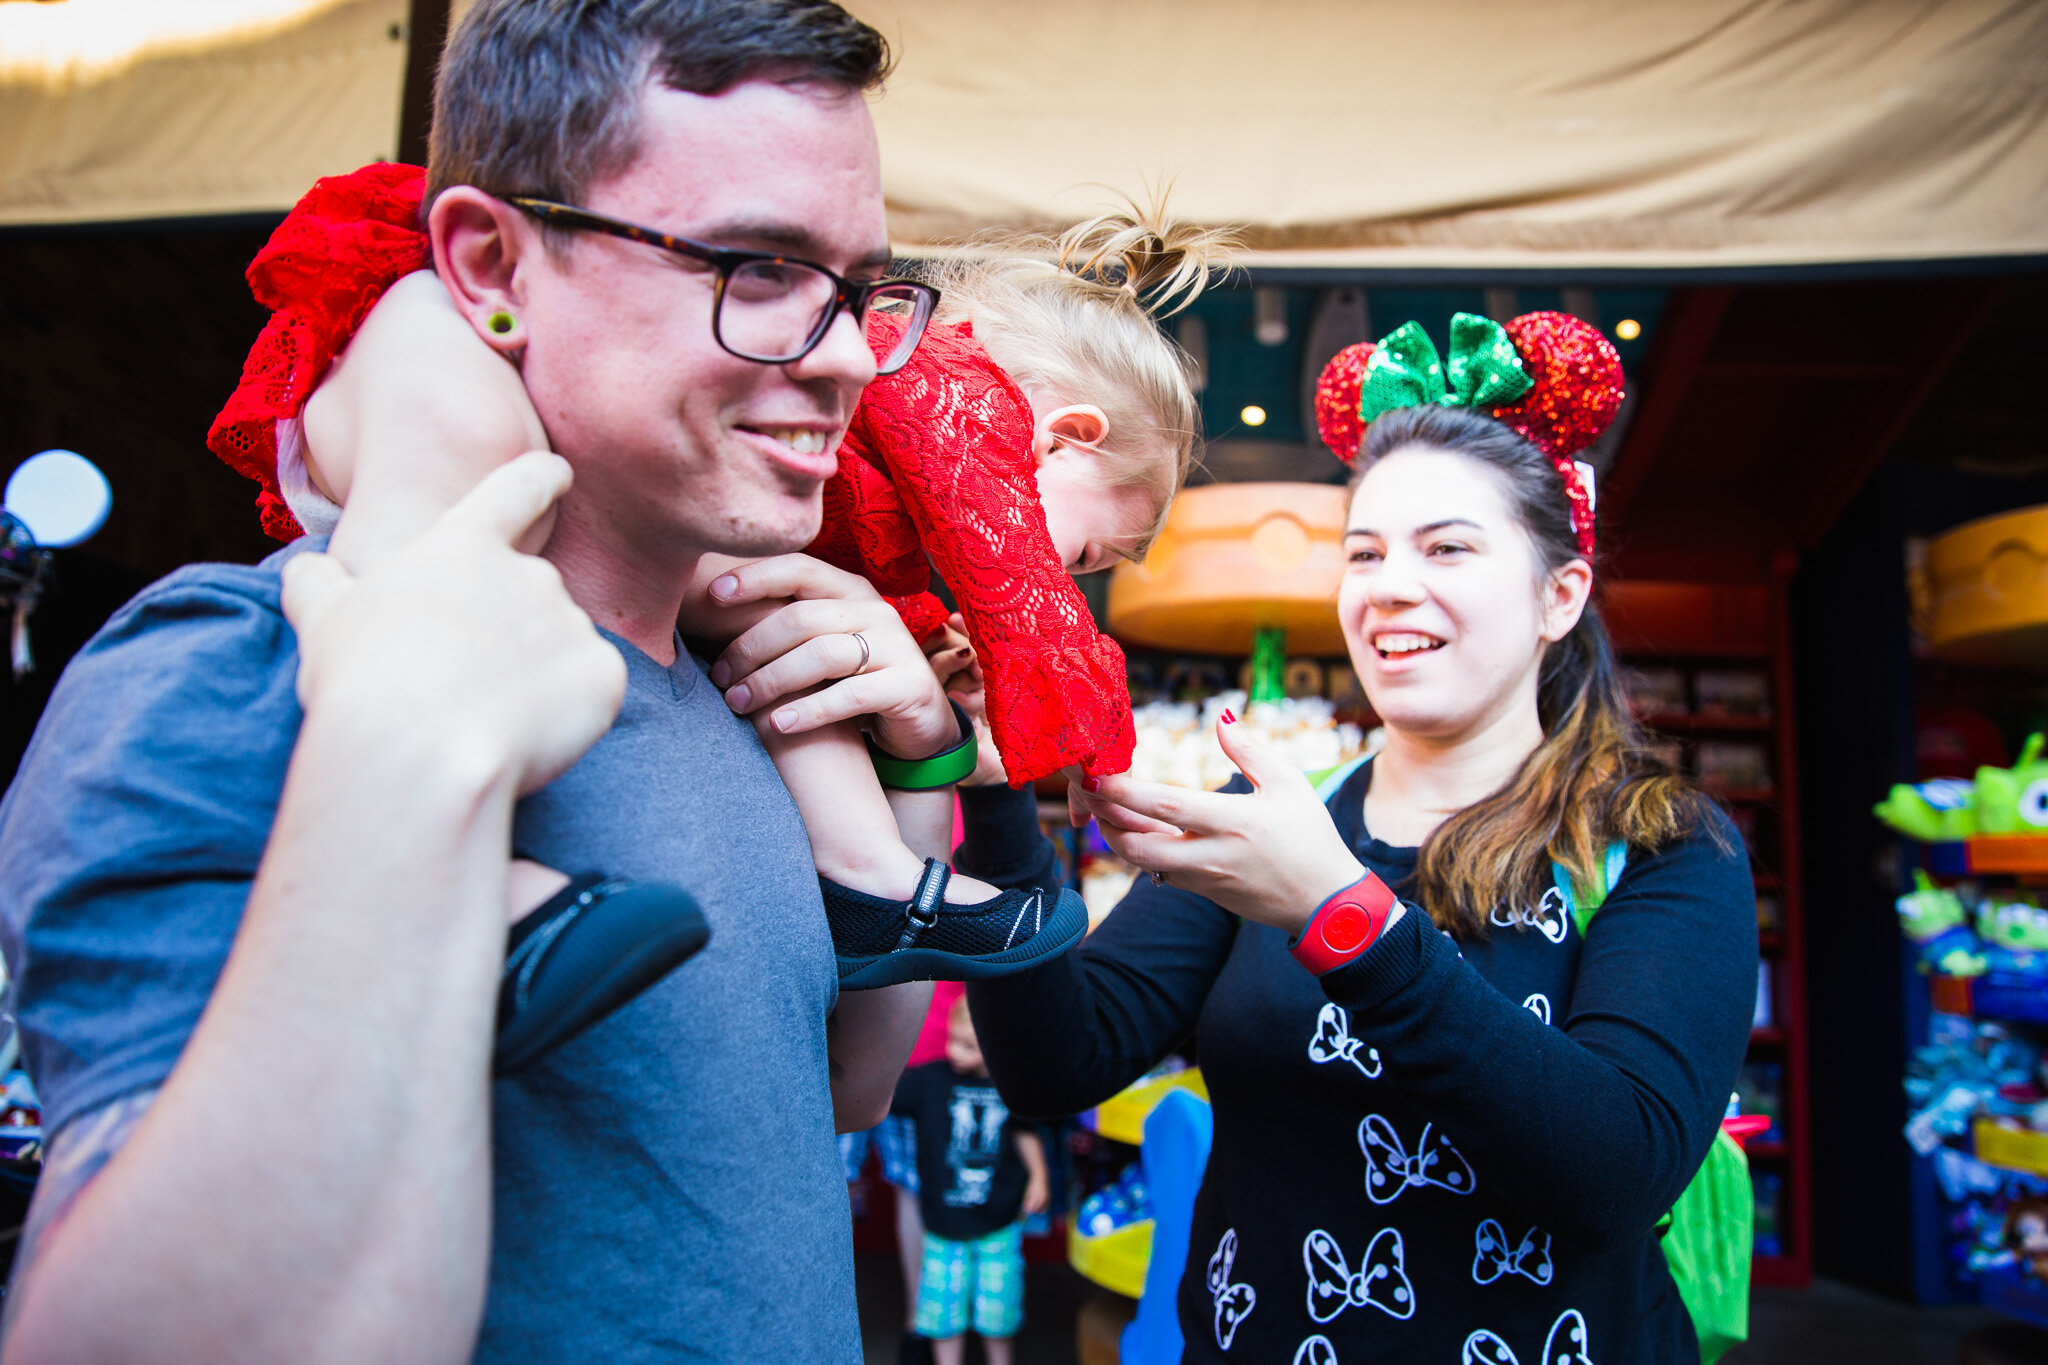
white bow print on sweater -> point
(1389, 1169)
(1234, 1302)
(1566, 1345)
(1493, 1257)
(1316, 1350)
(1382, 1278)
(1333, 1041)
(1550, 916)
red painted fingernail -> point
(1089, 784)
(1229, 716)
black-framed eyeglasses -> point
(776, 309)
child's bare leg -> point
(416, 411)
(528, 886)
(949, 1350)
(997, 1350)
(909, 1252)
(854, 840)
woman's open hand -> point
(1272, 854)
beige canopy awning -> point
(1486, 133)
(131, 109)
(1465, 134)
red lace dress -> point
(936, 472)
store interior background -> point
(1782, 439)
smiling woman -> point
(1538, 1082)
(1459, 552)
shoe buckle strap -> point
(924, 905)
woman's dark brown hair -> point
(1594, 780)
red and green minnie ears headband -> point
(1549, 376)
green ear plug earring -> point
(501, 323)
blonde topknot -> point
(1076, 315)
(1163, 264)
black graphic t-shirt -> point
(1441, 1152)
(969, 1174)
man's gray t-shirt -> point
(667, 1186)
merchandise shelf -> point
(1697, 629)
(1116, 1260)
(2019, 855)
(1694, 723)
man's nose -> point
(843, 357)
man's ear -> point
(1567, 591)
(478, 244)
(1077, 424)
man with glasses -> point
(256, 852)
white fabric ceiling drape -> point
(1458, 133)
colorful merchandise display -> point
(1978, 1086)
(1177, 741)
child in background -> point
(894, 1140)
(979, 1175)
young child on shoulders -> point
(979, 1174)
(1040, 428)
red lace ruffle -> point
(348, 240)
(936, 472)
(938, 463)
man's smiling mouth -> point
(802, 440)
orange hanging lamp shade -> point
(1232, 559)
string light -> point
(1628, 329)
(1253, 415)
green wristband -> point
(929, 774)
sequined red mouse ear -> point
(1337, 390)
(1578, 382)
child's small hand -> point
(953, 659)
(1037, 1195)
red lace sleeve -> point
(954, 433)
(347, 241)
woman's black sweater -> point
(1443, 1152)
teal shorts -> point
(985, 1275)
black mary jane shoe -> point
(885, 943)
(594, 945)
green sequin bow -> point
(1405, 372)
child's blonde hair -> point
(1077, 315)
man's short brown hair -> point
(542, 97)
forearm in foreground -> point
(313, 1181)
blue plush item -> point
(1177, 1136)
(1115, 1206)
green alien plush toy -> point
(2014, 800)
(2001, 801)
(1938, 812)
(2018, 923)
